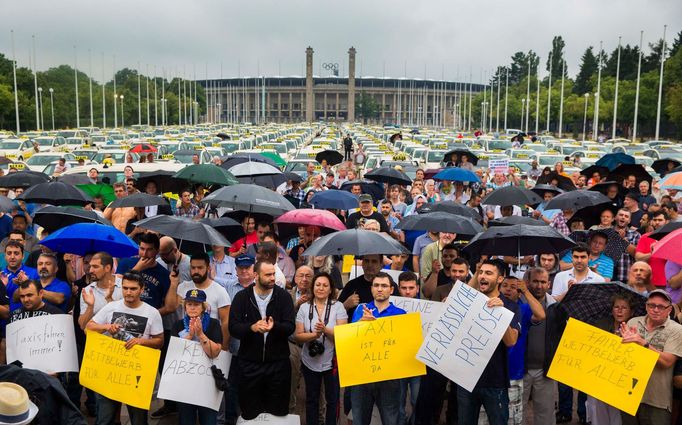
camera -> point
(315, 348)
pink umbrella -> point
(668, 248)
(311, 217)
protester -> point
(408, 287)
(315, 322)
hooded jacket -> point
(254, 346)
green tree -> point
(556, 56)
(588, 67)
(367, 107)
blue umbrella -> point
(85, 238)
(334, 199)
(457, 174)
(612, 160)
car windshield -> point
(185, 158)
(10, 145)
(118, 157)
(42, 159)
(545, 160)
(231, 147)
(435, 156)
(44, 142)
(67, 133)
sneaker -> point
(163, 411)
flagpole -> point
(615, 95)
(639, 70)
(660, 85)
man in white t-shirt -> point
(135, 322)
(580, 273)
(104, 288)
(217, 298)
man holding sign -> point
(386, 394)
(491, 389)
(657, 332)
(135, 322)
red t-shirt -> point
(251, 238)
(657, 264)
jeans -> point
(72, 387)
(432, 391)
(386, 396)
(495, 401)
(188, 413)
(313, 381)
(566, 401)
(107, 409)
(413, 383)
(647, 415)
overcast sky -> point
(431, 38)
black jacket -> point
(244, 313)
(555, 324)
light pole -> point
(122, 114)
(595, 124)
(660, 85)
(523, 105)
(40, 98)
(52, 106)
(587, 96)
(639, 69)
(561, 102)
(115, 110)
(163, 111)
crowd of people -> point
(275, 309)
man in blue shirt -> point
(55, 292)
(386, 394)
(15, 272)
(597, 260)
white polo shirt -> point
(560, 285)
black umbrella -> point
(250, 198)
(55, 193)
(661, 165)
(355, 242)
(603, 187)
(165, 182)
(592, 215)
(455, 156)
(395, 136)
(138, 200)
(576, 200)
(615, 245)
(511, 195)
(293, 177)
(665, 230)
(223, 136)
(183, 229)
(563, 182)
(6, 204)
(372, 188)
(440, 221)
(238, 158)
(23, 179)
(516, 219)
(227, 227)
(451, 207)
(519, 240)
(622, 172)
(74, 179)
(540, 189)
(587, 172)
(54, 218)
(332, 157)
(388, 175)
(591, 302)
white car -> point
(38, 161)
(16, 149)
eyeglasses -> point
(657, 306)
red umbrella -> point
(311, 217)
(143, 148)
(668, 248)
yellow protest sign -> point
(598, 363)
(379, 350)
(123, 375)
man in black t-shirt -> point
(359, 290)
(491, 389)
(32, 304)
(367, 212)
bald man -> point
(639, 277)
(170, 255)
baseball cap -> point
(244, 261)
(365, 197)
(196, 295)
(660, 292)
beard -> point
(198, 278)
(44, 273)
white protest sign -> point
(462, 340)
(266, 418)
(46, 343)
(428, 310)
(498, 165)
(187, 375)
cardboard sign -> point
(465, 336)
(429, 311)
(46, 343)
(498, 165)
(379, 350)
(267, 418)
(187, 375)
(123, 375)
(601, 365)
